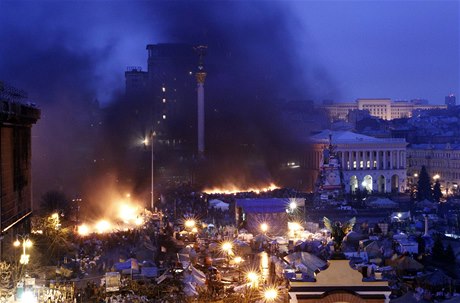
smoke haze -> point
(71, 56)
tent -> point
(306, 262)
(130, 264)
(426, 204)
(373, 250)
(242, 248)
(406, 263)
(262, 238)
(408, 297)
(269, 210)
(435, 280)
(383, 203)
(218, 204)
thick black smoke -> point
(56, 52)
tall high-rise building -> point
(16, 120)
(169, 86)
(168, 89)
(450, 100)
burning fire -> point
(233, 189)
(127, 215)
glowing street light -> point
(270, 294)
(253, 278)
(237, 260)
(264, 227)
(436, 177)
(227, 249)
(189, 223)
(293, 206)
(26, 243)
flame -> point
(103, 226)
(233, 189)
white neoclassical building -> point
(373, 164)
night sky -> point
(66, 54)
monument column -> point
(200, 78)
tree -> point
(424, 185)
(437, 194)
(438, 250)
(449, 255)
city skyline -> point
(260, 54)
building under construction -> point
(16, 119)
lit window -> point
(375, 163)
(361, 164)
(354, 164)
(368, 164)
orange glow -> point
(233, 189)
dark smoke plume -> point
(65, 53)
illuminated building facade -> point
(383, 108)
(16, 120)
(442, 162)
(368, 163)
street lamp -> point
(253, 279)
(293, 206)
(26, 243)
(146, 143)
(227, 248)
(264, 227)
(270, 294)
(189, 223)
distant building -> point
(442, 162)
(136, 81)
(450, 100)
(383, 108)
(372, 164)
(16, 120)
